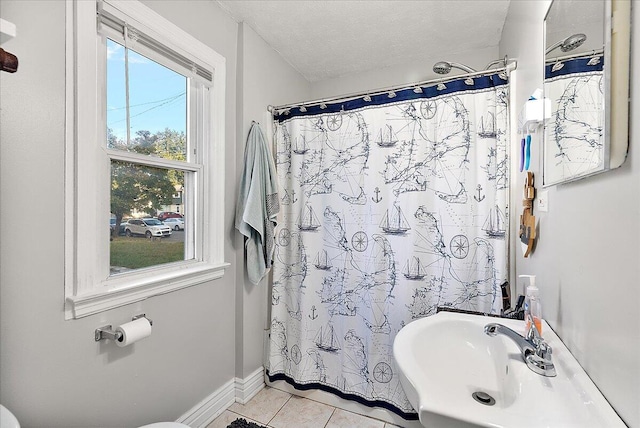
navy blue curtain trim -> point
(481, 82)
(577, 65)
(341, 394)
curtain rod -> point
(595, 52)
(508, 68)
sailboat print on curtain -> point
(300, 146)
(495, 225)
(394, 222)
(414, 269)
(386, 138)
(322, 261)
(308, 219)
(487, 128)
(379, 230)
(327, 340)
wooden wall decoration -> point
(8, 61)
(527, 219)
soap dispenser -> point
(532, 305)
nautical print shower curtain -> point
(391, 206)
(574, 139)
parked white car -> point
(174, 223)
(147, 226)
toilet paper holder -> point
(107, 332)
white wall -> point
(399, 75)
(587, 258)
(266, 79)
(52, 373)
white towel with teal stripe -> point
(258, 204)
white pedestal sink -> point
(445, 358)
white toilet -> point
(7, 420)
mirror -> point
(587, 83)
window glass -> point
(157, 105)
(116, 92)
(139, 193)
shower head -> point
(441, 67)
(570, 43)
(444, 67)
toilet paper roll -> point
(133, 331)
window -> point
(145, 137)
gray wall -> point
(587, 259)
(266, 79)
(52, 373)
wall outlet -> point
(543, 201)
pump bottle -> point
(532, 305)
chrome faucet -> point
(536, 353)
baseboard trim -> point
(248, 387)
(235, 390)
(203, 413)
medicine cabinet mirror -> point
(587, 82)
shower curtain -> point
(574, 139)
(392, 206)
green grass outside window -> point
(136, 253)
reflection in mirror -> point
(578, 82)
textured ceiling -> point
(326, 39)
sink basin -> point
(445, 358)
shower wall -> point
(586, 259)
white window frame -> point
(89, 288)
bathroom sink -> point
(446, 359)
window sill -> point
(140, 289)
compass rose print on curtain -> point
(391, 208)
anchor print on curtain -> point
(391, 208)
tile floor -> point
(277, 409)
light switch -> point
(543, 201)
